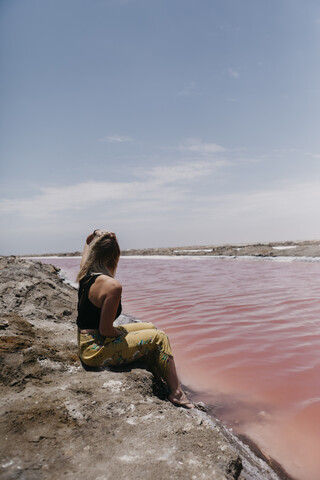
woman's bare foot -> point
(179, 399)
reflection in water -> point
(247, 333)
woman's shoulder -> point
(104, 287)
(105, 281)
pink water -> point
(246, 335)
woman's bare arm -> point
(105, 293)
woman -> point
(100, 343)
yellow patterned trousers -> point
(138, 341)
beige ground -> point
(61, 421)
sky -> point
(170, 122)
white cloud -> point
(305, 154)
(158, 211)
(188, 90)
(180, 172)
(58, 199)
(116, 139)
(197, 146)
(155, 188)
(285, 212)
(295, 203)
(233, 73)
(168, 197)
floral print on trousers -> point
(138, 341)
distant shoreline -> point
(307, 248)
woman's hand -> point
(113, 332)
(96, 233)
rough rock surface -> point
(59, 420)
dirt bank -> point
(61, 421)
(272, 249)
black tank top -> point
(89, 314)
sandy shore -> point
(61, 421)
(307, 248)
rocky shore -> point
(59, 420)
(272, 249)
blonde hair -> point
(103, 256)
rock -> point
(234, 467)
(3, 324)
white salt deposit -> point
(113, 385)
(194, 251)
(47, 363)
(284, 247)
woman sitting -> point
(100, 343)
